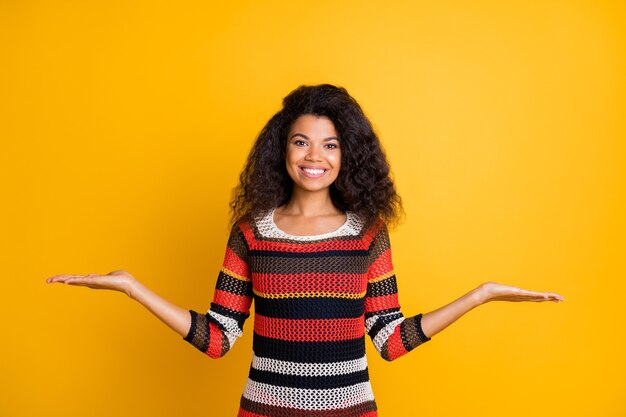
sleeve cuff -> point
(418, 327)
(192, 328)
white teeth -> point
(313, 171)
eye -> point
(299, 142)
(332, 145)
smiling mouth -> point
(313, 172)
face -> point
(313, 155)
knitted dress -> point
(315, 297)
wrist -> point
(480, 296)
(133, 288)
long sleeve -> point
(393, 335)
(215, 332)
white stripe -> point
(369, 323)
(384, 333)
(309, 369)
(308, 399)
(230, 324)
(231, 339)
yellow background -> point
(125, 125)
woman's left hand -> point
(492, 291)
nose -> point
(312, 154)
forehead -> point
(313, 124)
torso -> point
(309, 292)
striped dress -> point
(315, 297)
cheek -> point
(293, 155)
(291, 161)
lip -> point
(309, 175)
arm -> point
(392, 333)
(122, 281)
(175, 317)
(213, 333)
(439, 319)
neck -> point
(310, 204)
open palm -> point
(492, 291)
(116, 280)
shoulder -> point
(375, 232)
(377, 226)
(240, 230)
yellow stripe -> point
(311, 294)
(382, 277)
(235, 275)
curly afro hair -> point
(363, 184)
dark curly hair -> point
(363, 184)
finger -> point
(77, 280)
(72, 276)
(85, 282)
(61, 278)
(535, 293)
(542, 295)
(550, 296)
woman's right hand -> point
(120, 280)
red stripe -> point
(244, 413)
(395, 347)
(314, 413)
(215, 341)
(381, 303)
(235, 302)
(252, 408)
(289, 283)
(320, 330)
(233, 262)
(371, 233)
(381, 265)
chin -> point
(312, 189)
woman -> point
(309, 244)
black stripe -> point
(310, 307)
(418, 326)
(384, 287)
(309, 382)
(381, 323)
(317, 352)
(199, 332)
(276, 265)
(403, 336)
(380, 312)
(192, 328)
(378, 325)
(321, 254)
(233, 285)
(235, 315)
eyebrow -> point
(307, 138)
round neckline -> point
(320, 236)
